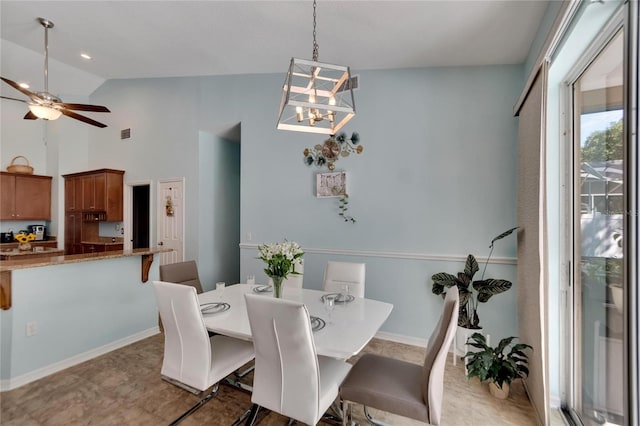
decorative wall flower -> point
(332, 149)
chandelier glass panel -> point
(316, 97)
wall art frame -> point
(331, 185)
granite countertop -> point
(15, 252)
(51, 240)
(105, 241)
(11, 265)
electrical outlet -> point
(249, 236)
(32, 328)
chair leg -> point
(346, 414)
(371, 420)
(241, 374)
(199, 404)
(253, 415)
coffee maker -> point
(40, 232)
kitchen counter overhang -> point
(7, 266)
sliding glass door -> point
(599, 230)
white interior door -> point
(170, 219)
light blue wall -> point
(437, 178)
(550, 14)
(219, 204)
(78, 307)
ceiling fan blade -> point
(30, 116)
(84, 107)
(14, 99)
(82, 118)
(16, 86)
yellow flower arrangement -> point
(24, 238)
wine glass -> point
(220, 286)
(329, 304)
(345, 293)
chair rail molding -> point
(396, 255)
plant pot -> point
(499, 392)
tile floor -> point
(124, 387)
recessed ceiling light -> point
(24, 85)
(84, 55)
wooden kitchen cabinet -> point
(96, 191)
(25, 197)
(73, 194)
(73, 233)
(94, 188)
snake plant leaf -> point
(490, 287)
(501, 236)
(471, 266)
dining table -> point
(339, 333)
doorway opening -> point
(140, 216)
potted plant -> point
(496, 365)
(484, 289)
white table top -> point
(353, 324)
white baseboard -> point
(15, 382)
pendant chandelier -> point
(316, 97)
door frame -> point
(128, 212)
(570, 301)
(156, 209)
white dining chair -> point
(193, 360)
(290, 378)
(400, 387)
(339, 274)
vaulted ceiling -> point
(141, 39)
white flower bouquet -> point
(281, 258)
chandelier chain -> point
(315, 44)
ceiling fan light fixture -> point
(45, 112)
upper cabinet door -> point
(32, 197)
(7, 197)
(72, 194)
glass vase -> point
(277, 286)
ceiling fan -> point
(45, 105)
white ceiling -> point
(140, 39)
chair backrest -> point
(187, 348)
(286, 378)
(337, 274)
(436, 356)
(295, 281)
(181, 273)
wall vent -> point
(125, 134)
(352, 84)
